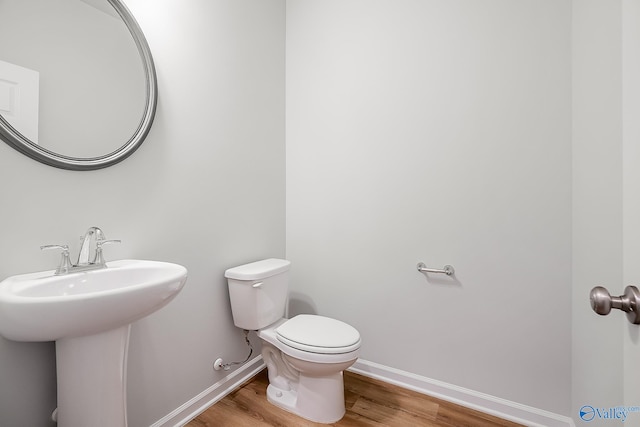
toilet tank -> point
(258, 292)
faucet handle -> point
(65, 262)
(99, 243)
(65, 248)
(99, 257)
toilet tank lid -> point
(258, 270)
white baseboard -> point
(488, 404)
(191, 409)
(502, 408)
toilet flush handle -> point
(256, 285)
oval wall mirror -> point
(78, 85)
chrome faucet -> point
(93, 234)
(91, 244)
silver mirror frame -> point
(18, 141)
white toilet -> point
(305, 355)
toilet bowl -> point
(305, 355)
(308, 383)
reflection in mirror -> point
(83, 87)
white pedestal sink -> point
(89, 315)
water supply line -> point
(219, 363)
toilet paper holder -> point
(447, 269)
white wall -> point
(205, 190)
(436, 131)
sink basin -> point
(44, 307)
(88, 314)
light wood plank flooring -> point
(369, 403)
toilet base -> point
(307, 384)
(317, 399)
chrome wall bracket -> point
(602, 302)
(448, 269)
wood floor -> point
(369, 403)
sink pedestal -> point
(88, 314)
(92, 374)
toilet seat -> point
(318, 334)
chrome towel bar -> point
(448, 269)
